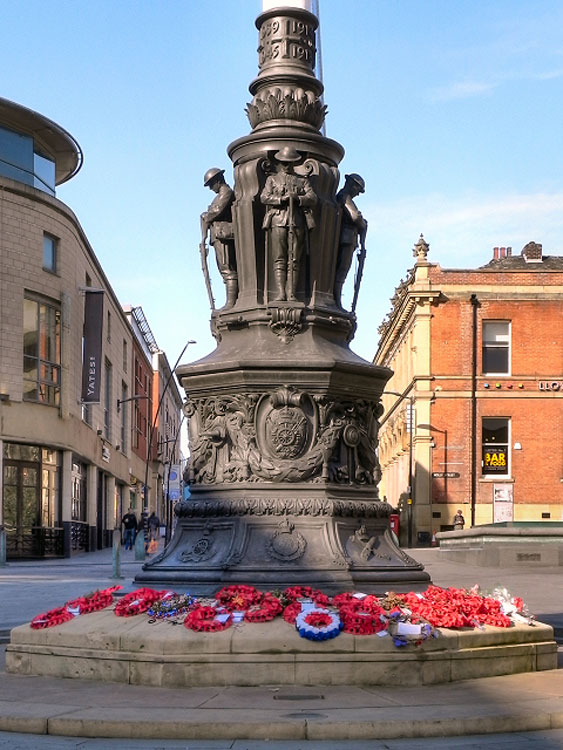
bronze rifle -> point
(203, 251)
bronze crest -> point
(286, 431)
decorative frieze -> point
(283, 436)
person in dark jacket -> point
(129, 523)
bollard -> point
(116, 554)
(3, 562)
(140, 545)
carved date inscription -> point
(286, 39)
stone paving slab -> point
(542, 740)
(85, 709)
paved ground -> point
(549, 740)
(304, 718)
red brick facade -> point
(437, 321)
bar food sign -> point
(92, 362)
(495, 460)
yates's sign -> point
(92, 363)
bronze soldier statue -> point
(353, 226)
(289, 199)
(219, 219)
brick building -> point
(474, 411)
(157, 405)
(67, 464)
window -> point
(41, 352)
(20, 160)
(86, 413)
(108, 328)
(136, 424)
(125, 356)
(50, 253)
(78, 491)
(107, 399)
(496, 347)
(124, 411)
(495, 442)
(32, 499)
(44, 173)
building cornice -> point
(401, 317)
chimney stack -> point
(532, 252)
(495, 253)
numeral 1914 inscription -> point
(286, 39)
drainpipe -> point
(473, 490)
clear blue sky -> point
(452, 110)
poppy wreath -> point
(137, 602)
(92, 602)
(341, 599)
(204, 618)
(81, 606)
(363, 616)
(238, 597)
(318, 624)
(293, 593)
(291, 611)
(456, 608)
(269, 607)
(53, 617)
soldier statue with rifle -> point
(219, 222)
(289, 199)
(353, 228)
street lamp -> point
(411, 489)
(139, 397)
(155, 419)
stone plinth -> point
(101, 646)
(503, 546)
(283, 472)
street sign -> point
(445, 474)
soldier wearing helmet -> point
(289, 199)
(352, 226)
(219, 221)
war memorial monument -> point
(283, 416)
(283, 423)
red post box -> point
(394, 523)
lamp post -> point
(139, 397)
(411, 489)
(155, 420)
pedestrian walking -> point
(129, 523)
(459, 521)
(154, 526)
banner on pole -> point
(92, 361)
